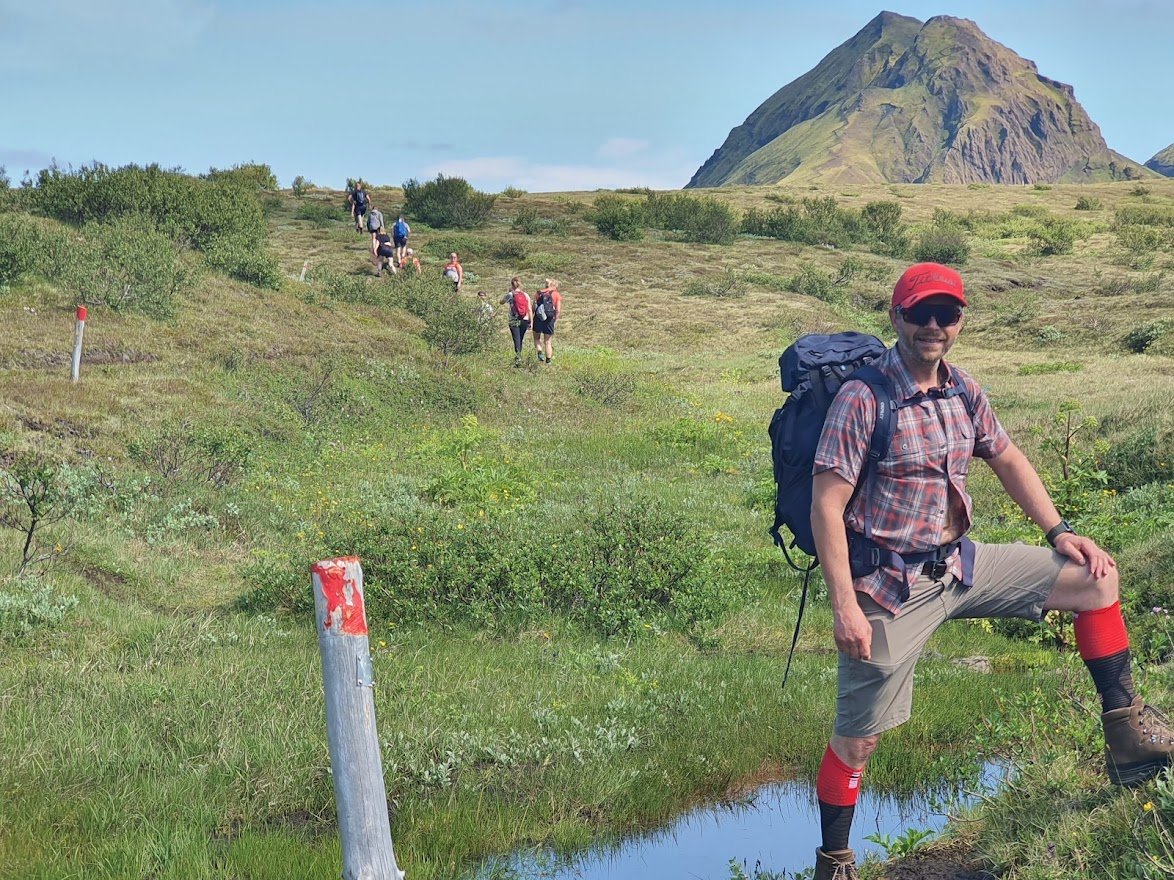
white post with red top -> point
(363, 824)
(78, 330)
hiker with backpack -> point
(382, 253)
(399, 235)
(359, 200)
(889, 520)
(520, 311)
(548, 304)
(374, 219)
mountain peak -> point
(907, 101)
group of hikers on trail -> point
(390, 253)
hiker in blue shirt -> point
(399, 238)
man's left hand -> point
(1084, 550)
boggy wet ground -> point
(774, 833)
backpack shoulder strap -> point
(882, 433)
(886, 411)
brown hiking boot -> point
(839, 864)
(1138, 743)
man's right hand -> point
(853, 632)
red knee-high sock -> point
(1103, 644)
(837, 787)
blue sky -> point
(544, 95)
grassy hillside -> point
(578, 622)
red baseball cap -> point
(925, 280)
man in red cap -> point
(898, 562)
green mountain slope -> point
(902, 101)
(1163, 162)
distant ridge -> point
(1163, 162)
(912, 102)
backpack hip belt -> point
(866, 556)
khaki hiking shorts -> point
(1010, 580)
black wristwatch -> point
(1057, 530)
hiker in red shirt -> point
(410, 259)
(912, 516)
(520, 311)
(548, 305)
(453, 272)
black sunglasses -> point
(920, 314)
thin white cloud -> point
(621, 148)
(494, 173)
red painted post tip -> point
(81, 313)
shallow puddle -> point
(776, 831)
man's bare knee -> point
(1077, 590)
(854, 750)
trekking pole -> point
(78, 330)
(363, 824)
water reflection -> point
(778, 830)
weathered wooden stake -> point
(78, 330)
(363, 823)
(305, 266)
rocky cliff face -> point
(904, 101)
(1163, 162)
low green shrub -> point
(1142, 239)
(700, 219)
(618, 218)
(1144, 455)
(512, 192)
(1145, 335)
(187, 452)
(29, 603)
(1049, 368)
(728, 284)
(244, 260)
(127, 265)
(627, 569)
(447, 203)
(813, 281)
(322, 213)
(25, 246)
(1088, 203)
(1054, 236)
(1146, 215)
(942, 242)
(512, 252)
(300, 186)
(452, 324)
(249, 175)
(465, 246)
(606, 384)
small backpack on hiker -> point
(812, 370)
(519, 306)
(544, 307)
(400, 230)
(374, 220)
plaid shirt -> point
(927, 463)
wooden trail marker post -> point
(363, 824)
(78, 330)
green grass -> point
(161, 730)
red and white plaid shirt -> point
(926, 464)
